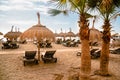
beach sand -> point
(12, 68)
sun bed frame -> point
(48, 57)
(30, 57)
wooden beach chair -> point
(30, 57)
(48, 57)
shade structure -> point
(95, 35)
(38, 32)
(61, 34)
(1, 33)
(70, 34)
(12, 35)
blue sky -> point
(22, 14)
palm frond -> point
(88, 15)
(93, 3)
(62, 4)
(116, 3)
(105, 5)
(115, 15)
(55, 12)
(74, 5)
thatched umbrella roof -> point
(12, 35)
(1, 33)
(61, 34)
(95, 34)
(39, 32)
(70, 34)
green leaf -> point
(55, 12)
(88, 15)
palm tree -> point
(108, 10)
(80, 7)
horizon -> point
(23, 15)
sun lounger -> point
(30, 57)
(115, 51)
(6, 45)
(48, 57)
(14, 45)
(48, 45)
(95, 53)
(11, 45)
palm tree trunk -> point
(85, 57)
(85, 60)
(104, 59)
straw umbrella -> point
(12, 35)
(95, 35)
(38, 32)
(70, 34)
(61, 34)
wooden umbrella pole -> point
(38, 51)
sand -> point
(12, 68)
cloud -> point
(44, 1)
(15, 5)
(2, 16)
(22, 5)
(19, 22)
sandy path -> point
(11, 65)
